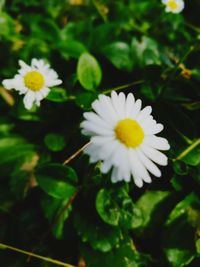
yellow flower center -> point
(34, 80)
(172, 5)
(129, 132)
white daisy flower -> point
(123, 137)
(174, 6)
(33, 81)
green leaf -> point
(179, 233)
(18, 182)
(14, 152)
(198, 245)
(115, 207)
(181, 208)
(149, 92)
(100, 236)
(89, 71)
(57, 94)
(119, 54)
(84, 100)
(57, 180)
(150, 202)
(54, 142)
(180, 168)
(106, 207)
(179, 258)
(179, 244)
(5, 126)
(71, 48)
(55, 211)
(7, 26)
(2, 3)
(146, 51)
(124, 255)
(193, 158)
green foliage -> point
(116, 208)
(88, 71)
(54, 142)
(126, 256)
(57, 180)
(57, 95)
(73, 213)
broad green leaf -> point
(89, 71)
(150, 92)
(176, 182)
(14, 152)
(5, 126)
(146, 50)
(124, 255)
(100, 236)
(149, 203)
(179, 258)
(115, 207)
(19, 183)
(181, 208)
(57, 94)
(198, 245)
(84, 100)
(179, 233)
(180, 168)
(193, 158)
(71, 48)
(179, 246)
(119, 54)
(54, 142)
(2, 3)
(55, 188)
(107, 208)
(7, 26)
(56, 180)
(55, 211)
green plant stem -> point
(76, 153)
(56, 262)
(191, 48)
(121, 87)
(193, 27)
(173, 74)
(188, 149)
(185, 138)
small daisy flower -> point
(123, 137)
(33, 81)
(174, 6)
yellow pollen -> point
(129, 132)
(34, 80)
(172, 5)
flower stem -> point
(188, 150)
(60, 263)
(122, 87)
(193, 27)
(75, 154)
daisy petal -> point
(151, 167)
(155, 155)
(144, 113)
(130, 101)
(136, 108)
(156, 142)
(154, 129)
(29, 100)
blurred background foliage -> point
(73, 212)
